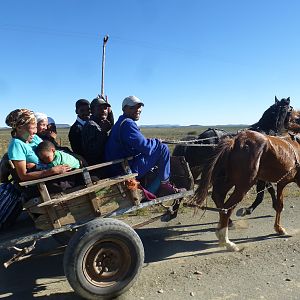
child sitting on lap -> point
(49, 155)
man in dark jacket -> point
(95, 131)
(102, 114)
(127, 140)
(75, 133)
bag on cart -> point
(10, 205)
(4, 169)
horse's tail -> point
(217, 163)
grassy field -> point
(175, 133)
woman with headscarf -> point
(44, 129)
(24, 141)
(42, 124)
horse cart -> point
(104, 255)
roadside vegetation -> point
(164, 133)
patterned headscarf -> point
(19, 118)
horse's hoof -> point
(232, 247)
(280, 230)
(242, 212)
(167, 217)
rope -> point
(297, 165)
(191, 143)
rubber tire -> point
(81, 243)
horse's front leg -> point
(278, 206)
(271, 191)
(244, 211)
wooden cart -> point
(104, 255)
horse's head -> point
(293, 123)
(282, 113)
(282, 102)
(275, 118)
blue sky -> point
(191, 61)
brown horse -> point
(241, 161)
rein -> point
(190, 143)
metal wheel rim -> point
(106, 262)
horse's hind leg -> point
(222, 231)
(278, 207)
(219, 193)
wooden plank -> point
(126, 210)
(101, 184)
(36, 210)
(77, 210)
(77, 171)
(50, 211)
(91, 196)
(32, 202)
(93, 199)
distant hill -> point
(57, 126)
(160, 126)
(194, 125)
(63, 126)
(164, 126)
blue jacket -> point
(126, 140)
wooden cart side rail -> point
(127, 210)
(37, 235)
(77, 171)
(101, 184)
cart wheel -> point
(103, 259)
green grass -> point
(175, 133)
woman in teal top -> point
(20, 150)
(23, 143)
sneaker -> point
(166, 188)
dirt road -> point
(183, 261)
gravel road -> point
(183, 261)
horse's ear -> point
(288, 99)
(276, 100)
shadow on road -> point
(186, 240)
(24, 280)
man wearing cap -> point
(101, 113)
(95, 131)
(75, 136)
(127, 140)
